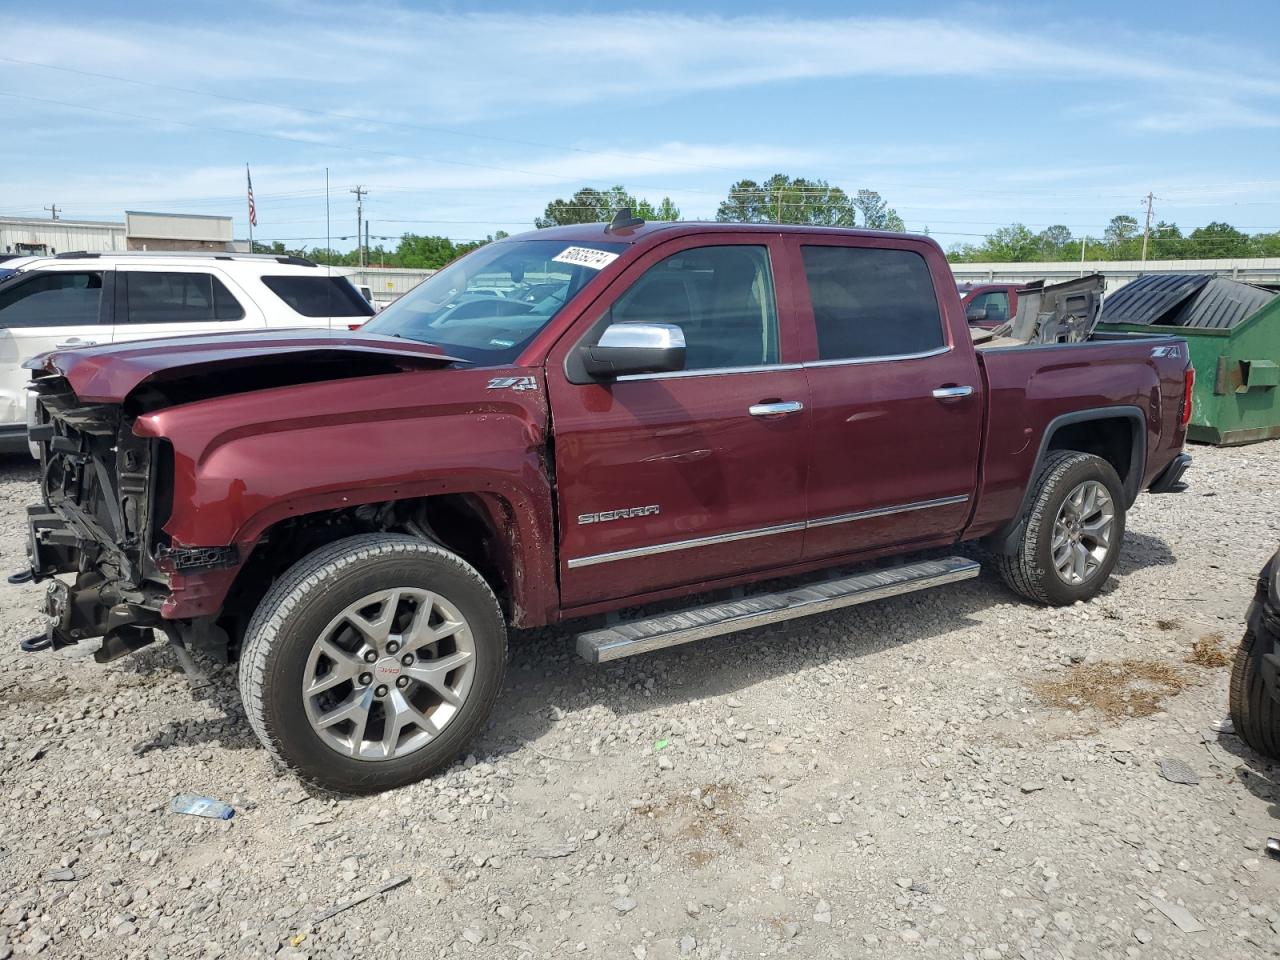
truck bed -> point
(1032, 388)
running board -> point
(667, 630)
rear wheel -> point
(373, 662)
(1254, 714)
(1073, 531)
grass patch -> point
(1117, 689)
(1207, 652)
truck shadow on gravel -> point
(546, 679)
(545, 676)
(1142, 551)
(220, 690)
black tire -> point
(296, 611)
(1030, 570)
(1253, 713)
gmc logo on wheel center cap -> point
(387, 669)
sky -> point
(463, 119)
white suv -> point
(80, 299)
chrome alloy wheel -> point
(389, 673)
(1082, 532)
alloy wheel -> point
(389, 673)
(1082, 532)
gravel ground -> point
(952, 774)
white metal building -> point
(1117, 272)
(22, 236)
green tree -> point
(876, 213)
(1166, 242)
(666, 210)
(1012, 244)
(782, 199)
(1122, 227)
(1265, 245)
(1055, 240)
(424, 253)
(589, 205)
(1216, 239)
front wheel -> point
(373, 662)
(1073, 531)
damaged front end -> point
(100, 515)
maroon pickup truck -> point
(561, 425)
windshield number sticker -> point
(513, 383)
(586, 257)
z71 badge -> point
(625, 513)
(513, 383)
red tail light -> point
(1188, 383)
(355, 326)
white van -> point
(81, 299)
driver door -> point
(681, 480)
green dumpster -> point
(1233, 331)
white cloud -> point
(469, 67)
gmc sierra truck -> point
(556, 427)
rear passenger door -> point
(897, 405)
(164, 301)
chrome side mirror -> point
(627, 348)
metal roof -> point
(1153, 298)
(1194, 300)
(1223, 304)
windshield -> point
(487, 306)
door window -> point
(721, 297)
(53, 299)
(178, 298)
(994, 303)
(870, 302)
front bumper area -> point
(102, 600)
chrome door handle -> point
(776, 409)
(74, 342)
(952, 393)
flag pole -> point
(249, 181)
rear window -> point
(320, 296)
(871, 302)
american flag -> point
(253, 211)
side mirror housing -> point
(628, 348)
(976, 314)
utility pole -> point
(53, 210)
(367, 248)
(360, 193)
(1083, 240)
(1146, 231)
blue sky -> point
(462, 119)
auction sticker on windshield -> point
(586, 257)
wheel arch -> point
(484, 528)
(1116, 434)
